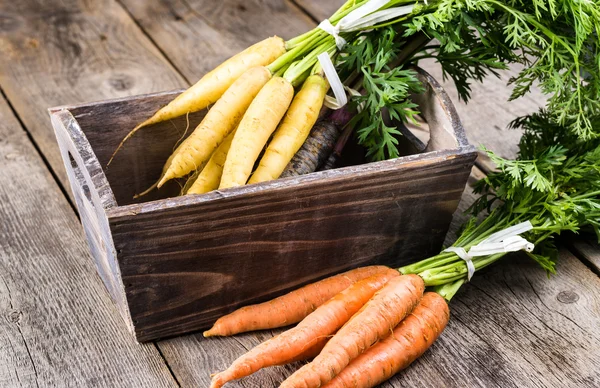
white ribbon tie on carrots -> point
(334, 81)
(332, 102)
(507, 240)
(363, 17)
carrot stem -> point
(448, 290)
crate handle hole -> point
(77, 171)
(72, 160)
(88, 195)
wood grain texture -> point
(93, 196)
(59, 326)
(461, 215)
(208, 32)
(514, 327)
(98, 128)
(57, 52)
(488, 113)
(42, 74)
(138, 165)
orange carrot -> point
(310, 352)
(316, 327)
(373, 322)
(410, 339)
(292, 307)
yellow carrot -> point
(254, 130)
(293, 130)
(220, 120)
(213, 84)
(210, 177)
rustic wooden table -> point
(511, 326)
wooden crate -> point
(174, 265)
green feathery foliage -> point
(554, 186)
(555, 40)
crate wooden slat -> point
(174, 264)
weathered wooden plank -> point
(461, 215)
(208, 32)
(58, 52)
(506, 305)
(209, 356)
(59, 326)
(188, 370)
(512, 326)
(215, 254)
(170, 244)
(139, 163)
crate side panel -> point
(92, 196)
(184, 267)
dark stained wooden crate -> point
(174, 265)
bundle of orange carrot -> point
(361, 327)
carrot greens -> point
(555, 186)
(387, 91)
(555, 41)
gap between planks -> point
(63, 189)
(151, 39)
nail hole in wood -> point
(567, 297)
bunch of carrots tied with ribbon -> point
(265, 100)
(363, 326)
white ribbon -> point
(507, 240)
(460, 252)
(333, 78)
(334, 31)
(363, 17)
